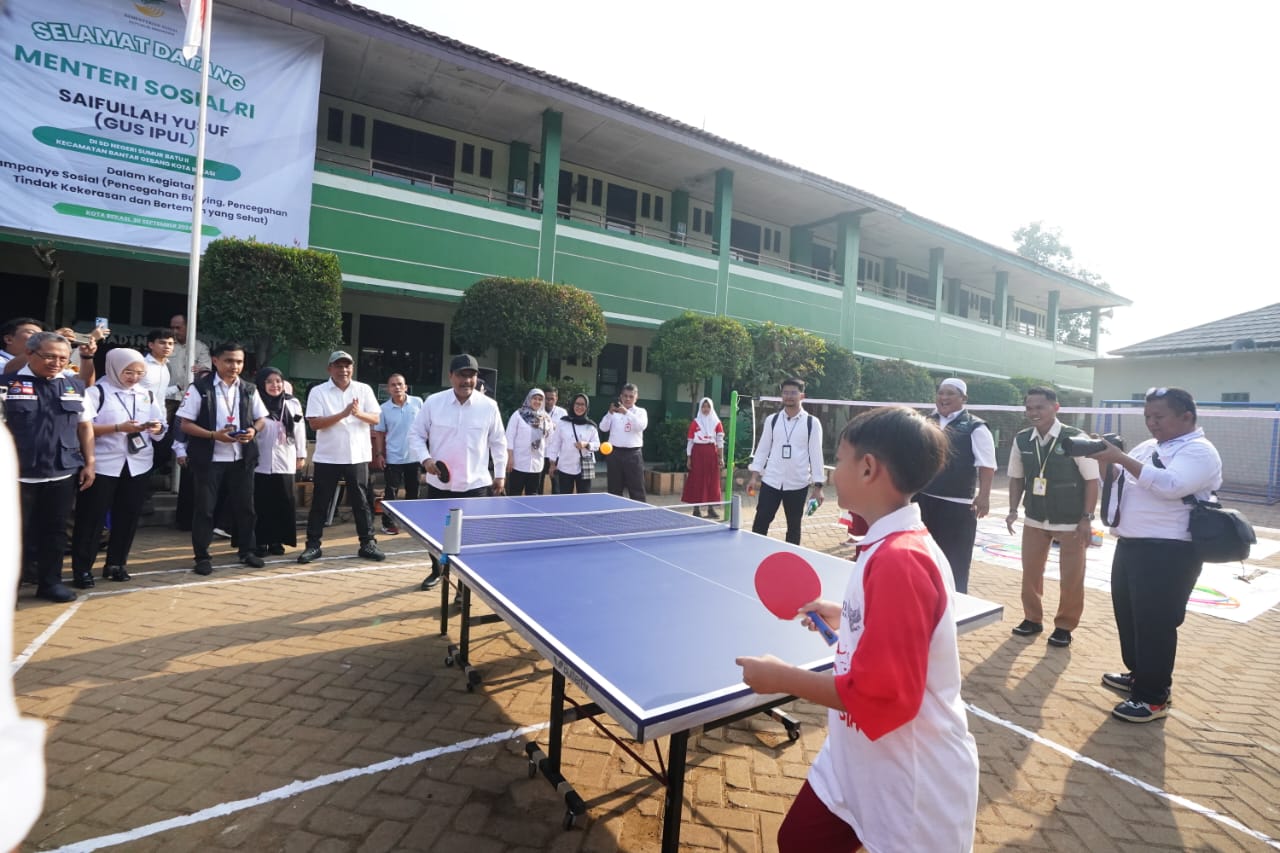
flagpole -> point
(197, 193)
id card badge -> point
(136, 442)
(1040, 486)
(786, 451)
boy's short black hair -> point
(913, 448)
(11, 326)
(1048, 393)
(227, 346)
(794, 381)
(1179, 400)
(159, 335)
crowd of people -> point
(914, 486)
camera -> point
(1085, 446)
(80, 339)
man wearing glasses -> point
(52, 426)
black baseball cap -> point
(464, 362)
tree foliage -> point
(896, 381)
(531, 316)
(841, 375)
(994, 392)
(778, 352)
(1045, 246)
(692, 347)
(269, 297)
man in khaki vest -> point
(1061, 494)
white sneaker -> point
(218, 531)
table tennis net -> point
(534, 529)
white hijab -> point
(707, 423)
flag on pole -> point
(195, 11)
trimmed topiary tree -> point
(692, 347)
(271, 298)
(778, 352)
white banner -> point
(99, 135)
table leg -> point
(549, 764)
(677, 750)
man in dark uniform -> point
(52, 426)
(951, 505)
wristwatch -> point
(1088, 516)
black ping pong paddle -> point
(443, 476)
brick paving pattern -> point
(176, 696)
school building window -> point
(657, 208)
(468, 158)
(486, 162)
(334, 133)
(597, 192)
(357, 131)
(1235, 396)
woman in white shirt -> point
(527, 434)
(128, 420)
(572, 448)
(282, 451)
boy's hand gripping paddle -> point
(785, 582)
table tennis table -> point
(642, 608)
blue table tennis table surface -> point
(647, 626)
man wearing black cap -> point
(342, 411)
(455, 435)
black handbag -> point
(1219, 534)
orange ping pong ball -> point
(606, 448)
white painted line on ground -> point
(35, 645)
(293, 789)
(1125, 777)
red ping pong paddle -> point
(785, 582)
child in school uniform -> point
(899, 769)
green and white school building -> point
(437, 164)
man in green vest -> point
(1061, 494)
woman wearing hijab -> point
(282, 451)
(527, 434)
(128, 420)
(705, 450)
(572, 448)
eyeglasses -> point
(1156, 392)
(53, 358)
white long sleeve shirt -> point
(276, 454)
(1151, 505)
(118, 406)
(561, 450)
(626, 429)
(789, 455)
(523, 455)
(348, 442)
(461, 435)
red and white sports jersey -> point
(900, 765)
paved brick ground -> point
(175, 695)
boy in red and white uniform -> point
(899, 769)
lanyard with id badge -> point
(135, 442)
(1040, 484)
(786, 446)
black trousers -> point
(524, 482)
(237, 478)
(555, 481)
(954, 527)
(568, 484)
(478, 492)
(1151, 580)
(402, 474)
(626, 471)
(792, 501)
(121, 496)
(45, 507)
(326, 476)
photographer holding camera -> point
(1156, 565)
(1060, 504)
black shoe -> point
(275, 550)
(711, 512)
(261, 550)
(115, 573)
(1060, 637)
(84, 580)
(697, 512)
(1027, 628)
(204, 567)
(1122, 681)
(310, 553)
(58, 592)
(370, 551)
(432, 580)
(252, 560)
